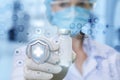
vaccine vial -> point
(65, 47)
(65, 53)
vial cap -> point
(64, 31)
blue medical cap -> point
(91, 1)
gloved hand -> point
(45, 71)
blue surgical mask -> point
(72, 18)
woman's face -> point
(58, 5)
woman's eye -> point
(81, 4)
(85, 5)
(64, 5)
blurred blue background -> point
(23, 20)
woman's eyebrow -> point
(85, 1)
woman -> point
(93, 61)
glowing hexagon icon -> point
(38, 51)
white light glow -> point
(38, 52)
